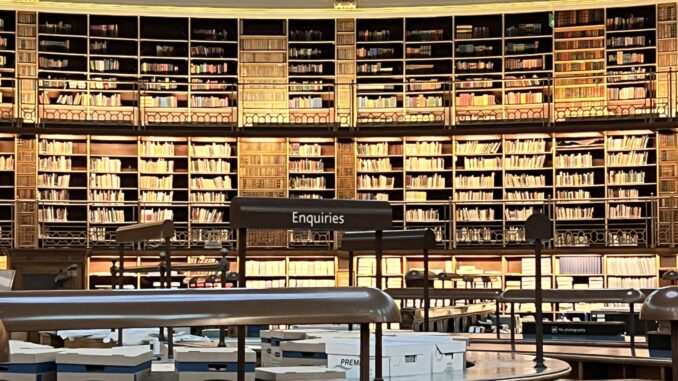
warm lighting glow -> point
(345, 4)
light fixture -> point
(345, 4)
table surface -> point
(493, 366)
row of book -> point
(106, 216)
(156, 166)
(416, 196)
(632, 158)
(308, 102)
(53, 180)
(211, 166)
(375, 182)
(105, 181)
(631, 265)
(422, 215)
(424, 164)
(374, 165)
(425, 181)
(307, 165)
(157, 197)
(55, 163)
(577, 213)
(82, 99)
(216, 183)
(524, 180)
(211, 150)
(622, 211)
(474, 214)
(304, 182)
(208, 197)
(473, 181)
(473, 163)
(202, 215)
(518, 214)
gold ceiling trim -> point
(330, 12)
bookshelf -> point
(667, 48)
(379, 173)
(212, 183)
(8, 58)
(477, 184)
(213, 61)
(263, 72)
(379, 70)
(164, 68)
(8, 166)
(631, 50)
(262, 172)
(428, 62)
(579, 63)
(62, 63)
(667, 185)
(428, 167)
(112, 188)
(609, 62)
(311, 175)
(27, 63)
(528, 181)
(164, 182)
(311, 71)
(62, 187)
(528, 59)
(478, 67)
(345, 71)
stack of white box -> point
(271, 352)
(110, 364)
(406, 355)
(203, 364)
(29, 362)
(299, 373)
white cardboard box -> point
(271, 355)
(94, 364)
(399, 358)
(447, 352)
(29, 354)
(309, 352)
(211, 363)
(299, 373)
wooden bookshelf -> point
(478, 68)
(62, 183)
(579, 63)
(379, 173)
(213, 182)
(380, 70)
(262, 172)
(429, 50)
(528, 61)
(667, 185)
(477, 184)
(127, 70)
(667, 50)
(263, 72)
(631, 52)
(112, 189)
(311, 71)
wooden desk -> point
(498, 367)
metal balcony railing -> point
(543, 101)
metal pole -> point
(350, 277)
(632, 328)
(121, 279)
(427, 301)
(513, 327)
(364, 352)
(242, 330)
(538, 297)
(674, 350)
(379, 234)
(497, 316)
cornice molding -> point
(301, 8)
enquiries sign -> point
(292, 213)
